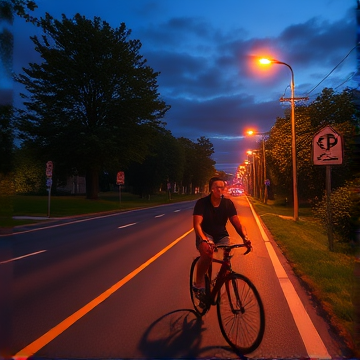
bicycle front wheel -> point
(201, 307)
(241, 313)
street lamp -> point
(254, 179)
(251, 132)
(248, 169)
(293, 142)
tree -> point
(6, 139)
(21, 8)
(329, 108)
(165, 163)
(29, 173)
(278, 157)
(199, 166)
(92, 101)
(338, 111)
(204, 149)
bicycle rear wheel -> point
(200, 307)
(241, 314)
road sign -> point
(120, 178)
(327, 147)
(49, 169)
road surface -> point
(117, 286)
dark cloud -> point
(222, 117)
(318, 42)
(209, 77)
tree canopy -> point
(92, 101)
(329, 108)
(21, 8)
(6, 139)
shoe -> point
(200, 294)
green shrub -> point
(344, 203)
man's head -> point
(216, 183)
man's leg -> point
(206, 255)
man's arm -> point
(238, 227)
(197, 220)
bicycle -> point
(239, 307)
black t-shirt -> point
(215, 218)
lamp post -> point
(251, 132)
(255, 185)
(293, 133)
(265, 180)
(247, 163)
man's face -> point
(217, 188)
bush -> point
(344, 211)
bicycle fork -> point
(235, 299)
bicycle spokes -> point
(241, 314)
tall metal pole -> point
(293, 141)
(328, 208)
(264, 195)
(265, 186)
(293, 147)
(254, 173)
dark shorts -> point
(224, 241)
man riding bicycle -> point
(210, 216)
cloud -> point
(208, 74)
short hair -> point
(213, 179)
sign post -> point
(267, 184)
(327, 149)
(120, 180)
(48, 172)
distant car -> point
(237, 192)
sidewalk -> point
(33, 218)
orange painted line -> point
(36, 345)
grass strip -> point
(328, 275)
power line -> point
(348, 79)
(333, 70)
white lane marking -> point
(124, 226)
(157, 216)
(64, 224)
(310, 337)
(177, 210)
(21, 257)
(88, 219)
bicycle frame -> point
(225, 269)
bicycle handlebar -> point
(233, 246)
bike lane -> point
(293, 327)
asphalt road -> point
(117, 286)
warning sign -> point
(120, 178)
(327, 147)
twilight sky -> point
(204, 51)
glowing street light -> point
(265, 61)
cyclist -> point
(210, 216)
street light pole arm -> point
(292, 73)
